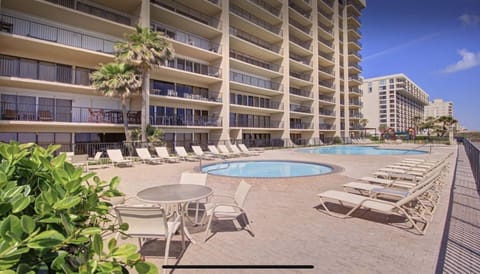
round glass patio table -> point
(178, 194)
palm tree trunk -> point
(145, 93)
(125, 119)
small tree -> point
(52, 219)
(144, 49)
(446, 123)
(117, 79)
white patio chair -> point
(244, 148)
(182, 153)
(116, 158)
(146, 157)
(147, 222)
(162, 152)
(223, 149)
(197, 150)
(217, 153)
(231, 210)
(194, 179)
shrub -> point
(52, 218)
(337, 140)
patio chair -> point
(243, 148)
(117, 159)
(217, 153)
(146, 157)
(80, 160)
(197, 150)
(96, 160)
(409, 207)
(147, 222)
(223, 149)
(162, 153)
(232, 210)
(237, 151)
(182, 153)
(194, 179)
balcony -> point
(326, 112)
(355, 103)
(194, 67)
(254, 61)
(354, 44)
(324, 17)
(325, 45)
(299, 10)
(326, 72)
(254, 19)
(325, 59)
(256, 102)
(304, 29)
(302, 76)
(272, 124)
(54, 34)
(254, 81)
(176, 120)
(254, 40)
(356, 91)
(297, 125)
(49, 113)
(328, 99)
(300, 108)
(188, 12)
(328, 86)
(179, 93)
(267, 7)
(306, 45)
(325, 126)
(301, 92)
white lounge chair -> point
(146, 157)
(80, 160)
(182, 153)
(223, 149)
(96, 160)
(197, 150)
(117, 159)
(244, 149)
(231, 210)
(149, 222)
(237, 151)
(217, 153)
(162, 153)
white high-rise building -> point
(392, 101)
(438, 108)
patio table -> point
(176, 194)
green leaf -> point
(67, 203)
(90, 231)
(28, 224)
(60, 175)
(10, 224)
(46, 239)
(5, 208)
(19, 203)
(59, 263)
(124, 250)
(98, 244)
(146, 268)
(112, 244)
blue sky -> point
(436, 43)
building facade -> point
(392, 101)
(438, 108)
(246, 70)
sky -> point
(435, 43)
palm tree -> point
(144, 49)
(446, 121)
(117, 79)
(428, 124)
(363, 122)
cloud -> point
(469, 60)
(470, 19)
(400, 46)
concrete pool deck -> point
(289, 228)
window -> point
(81, 76)
(28, 68)
(64, 74)
(47, 71)
(8, 66)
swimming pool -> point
(266, 169)
(360, 150)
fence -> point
(473, 153)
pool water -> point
(266, 169)
(360, 150)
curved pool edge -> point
(335, 169)
(379, 148)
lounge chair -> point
(217, 153)
(96, 160)
(146, 157)
(231, 210)
(80, 160)
(182, 153)
(223, 149)
(194, 179)
(402, 207)
(117, 159)
(149, 222)
(237, 151)
(197, 150)
(162, 153)
(244, 149)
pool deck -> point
(289, 227)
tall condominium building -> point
(252, 70)
(438, 108)
(392, 101)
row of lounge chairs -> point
(361, 141)
(409, 189)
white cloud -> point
(470, 19)
(469, 60)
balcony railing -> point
(268, 105)
(355, 77)
(305, 77)
(327, 84)
(304, 44)
(356, 115)
(174, 93)
(94, 10)
(54, 34)
(185, 37)
(298, 9)
(324, 14)
(253, 39)
(328, 2)
(300, 108)
(49, 113)
(355, 66)
(326, 126)
(327, 56)
(356, 54)
(330, 99)
(295, 125)
(254, 81)
(254, 61)
(264, 5)
(355, 90)
(355, 103)
(356, 42)
(176, 120)
(191, 66)
(252, 18)
(326, 112)
(299, 26)
(189, 12)
(300, 92)
(326, 43)
(327, 70)
(256, 124)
